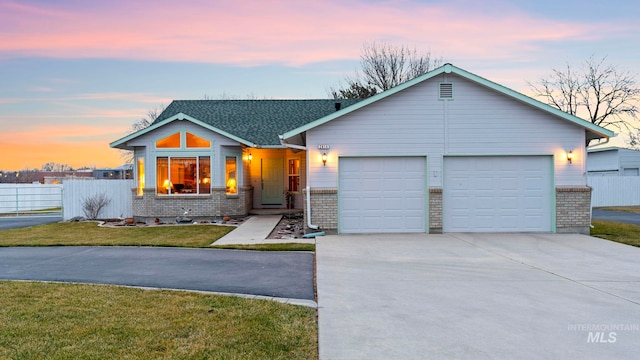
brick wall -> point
(573, 209)
(435, 210)
(324, 208)
(217, 204)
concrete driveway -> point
(477, 296)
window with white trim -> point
(183, 175)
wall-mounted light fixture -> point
(324, 159)
(249, 157)
(569, 156)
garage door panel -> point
(497, 194)
(385, 194)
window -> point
(174, 141)
(194, 141)
(231, 174)
(171, 141)
(140, 168)
(294, 175)
(183, 175)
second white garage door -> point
(382, 194)
(497, 194)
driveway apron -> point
(477, 296)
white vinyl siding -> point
(497, 194)
(613, 162)
(480, 121)
(382, 195)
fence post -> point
(17, 203)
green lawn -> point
(69, 321)
(615, 231)
(90, 234)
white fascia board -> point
(598, 130)
(448, 68)
(178, 117)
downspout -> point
(309, 224)
(307, 189)
(591, 207)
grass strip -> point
(72, 321)
(623, 233)
(90, 234)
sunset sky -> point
(77, 74)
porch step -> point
(288, 212)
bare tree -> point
(354, 90)
(142, 123)
(57, 167)
(600, 92)
(384, 66)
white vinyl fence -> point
(117, 191)
(20, 199)
(614, 190)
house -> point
(448, 151)
(58, 177)
(613, 161)
(117, 173)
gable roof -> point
(593, 131)
(254, 123)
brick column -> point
(573, 209)
(324, 208)
(435, 210)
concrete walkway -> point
(255, 231)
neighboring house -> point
(118, 173)
(58, 177)
(613, 161)
(448, 151)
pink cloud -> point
(262, 32)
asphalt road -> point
(12, 222)
(618, 216)
(263, 273)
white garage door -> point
(497, 194)
(382, 194)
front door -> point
(272, 180)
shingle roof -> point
(258, 121)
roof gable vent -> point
(446, 91)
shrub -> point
(93, 204)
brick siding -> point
(573, 209)
(209, 206)
(324, 208)
(435, 210)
